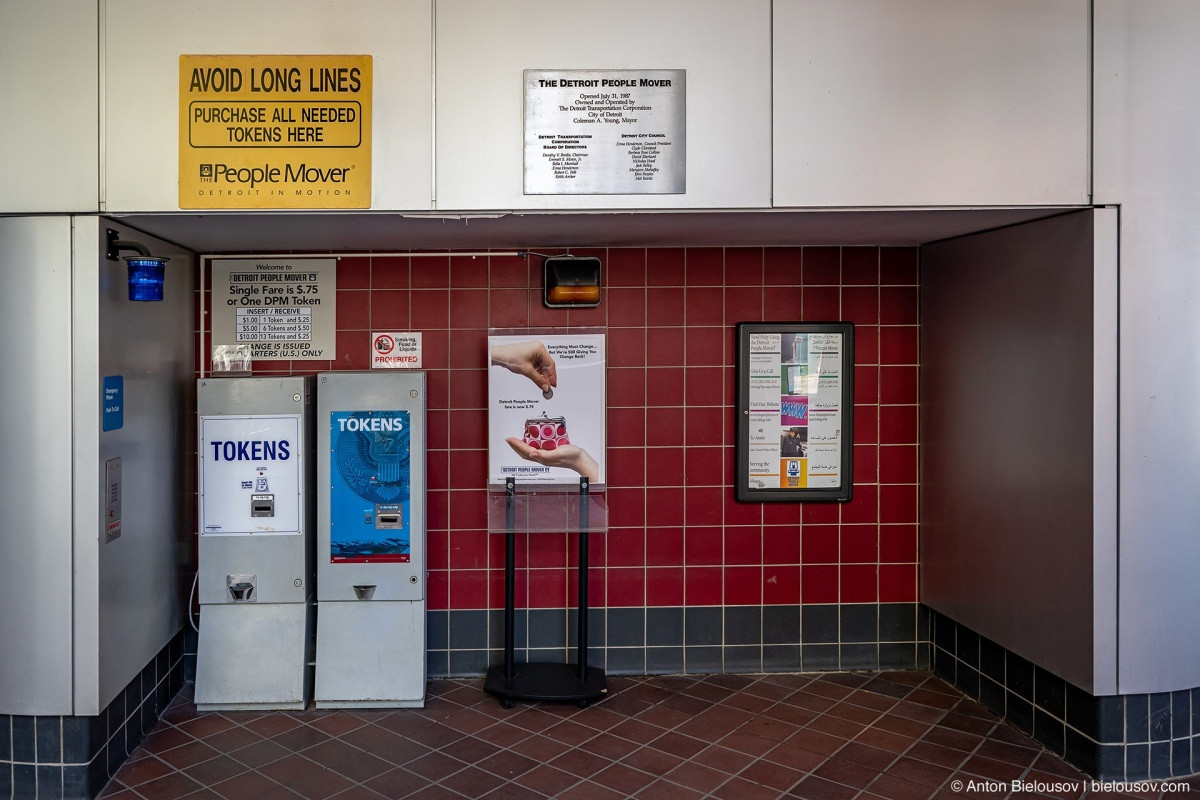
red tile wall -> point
(677, 536)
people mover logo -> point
(253, 176)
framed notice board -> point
(795, 411)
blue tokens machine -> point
(370, 539)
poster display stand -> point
(557, 682)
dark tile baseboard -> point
(690, 640)
(47, 757)
(1120, 738)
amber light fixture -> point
(571, 282)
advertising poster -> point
(370, 487)
(546, 410)
(796, 396)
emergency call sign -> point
(266, 131)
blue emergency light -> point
(145, 277)
(145, 270)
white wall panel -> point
(35, 546)
(1147, 119)
(484, 46)
(141, 84)
(930, 102)
(49, 151)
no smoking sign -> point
(396, 350)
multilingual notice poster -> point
(605, 131)
(795, 411)
(279, 307)
(274, 131)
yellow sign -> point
(274, 131)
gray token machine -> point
(370, 539)
(257, 518)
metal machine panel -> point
(281, 564)
(249, 656)
(371, 539)
(371, 654)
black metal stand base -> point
(558, 683)
(568, 683)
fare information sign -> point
(259, 131)
(282, 308)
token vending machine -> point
(256, 543)
(370, 539)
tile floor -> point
(831, 736)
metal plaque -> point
(605, 131)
